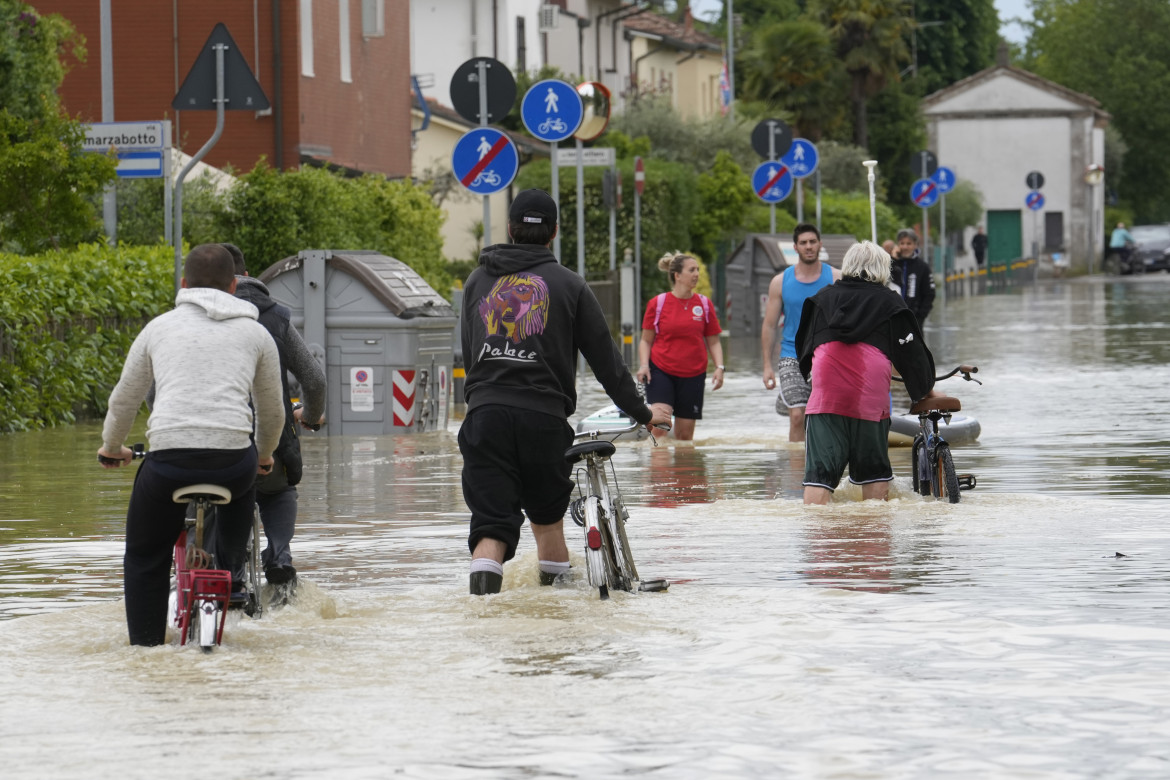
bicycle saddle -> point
(578, 451)
(213, 493)
(942, 403)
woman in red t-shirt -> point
(678, 330)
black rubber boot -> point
(485, 582)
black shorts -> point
(833, 442)
(513, 464)
(682, 394)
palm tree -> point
(870, 38)
(790, 64)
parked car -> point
(1151, 243)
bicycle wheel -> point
(625, 572)
(255, 604)
(595, 564)
(943, 481)
(919, 481)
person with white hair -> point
(850, 334)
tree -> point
(871, 38)
(792, 64)
(1118, 52)
(898, 131)
(954, 38)
(725, 193)
(34, 55)
(46, 177)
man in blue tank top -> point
(786, 295)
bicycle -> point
(200, 594)
(931, 464)
(600, 510)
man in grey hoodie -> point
(210, 361)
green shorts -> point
(832, 442)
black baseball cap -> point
(533, 207)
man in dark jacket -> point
(524, 319)
(979, 245)
(276, 492)
(913, 276)
(850, 333)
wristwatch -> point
(720, 368)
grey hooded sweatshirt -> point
(208, 358)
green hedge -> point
(67, 320)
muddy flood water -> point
(1022, 633)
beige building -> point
(462, 210)
(668, 58)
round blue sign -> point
(924, 193)
(484, 160)
(944, 179)
(552, 110)
(801, 158)
(772, 181)
(1034, 200)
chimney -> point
(689, 20)
(1002, 58)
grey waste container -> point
(385, 337)
(749, 271)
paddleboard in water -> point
(962, 430)
(611, 417)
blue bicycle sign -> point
(552, 110)
(772, 181)
(484, 160)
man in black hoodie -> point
(525, 317)
(913, 276)
(276, 492)
(850, 333)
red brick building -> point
(342, 99)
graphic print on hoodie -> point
(515, 308)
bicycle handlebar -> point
(594, 433)
(136, 451)
(963, 369)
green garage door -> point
(1004, 237)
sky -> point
(703, 9)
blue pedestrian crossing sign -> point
(801, 158)
(772, 181)
(485, 160)
(1034, 200)
(944, 179)
(924, 193)
(552, 110)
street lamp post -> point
(1093, 176)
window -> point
(343, 31)
(306, 37)
(373, 18)
(521, 46)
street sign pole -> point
(168, 184)
(481, 67)
(942, 229)
(110, 194)
(818, 199)
(639, 184)
(799, 201)
(580, 210)
(556, 196)
(220, 48)
(771, 156)
(613, 220)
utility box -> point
(385, 337)
(749, 270)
